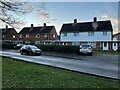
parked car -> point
(30, 50)
(18, 46)
(86, 49)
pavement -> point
(98, 64)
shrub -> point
(58, 48)
(8, 46)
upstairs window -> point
(38, 35)
(45, 35)
(90, 33)
(27, 36)
(104, 33)
(54, 36)
(3, 36)
(76, 34)
(13, 36)
(20, 35)
(65, 34)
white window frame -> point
(76, 33)
(37, 42)
(104, 33)
(65, 34)
(27, 42)
(54, 36)
(45, 35)
(91, 33)
(37, 36)
(14, 36)
(93, 44)
(20, 36)
(27, 36)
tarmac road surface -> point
(101, 65)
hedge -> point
(47, 48)
(8, 46)
(58, 48)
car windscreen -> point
(85, 46)
(33, 47)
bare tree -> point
(10, 12)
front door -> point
(105, 45)
(115, 46)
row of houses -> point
(97, 33)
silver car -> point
(86, 49)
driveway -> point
(101, 65)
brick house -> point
(98, 33)
(116, 37)
(9, 35)
(38, 35)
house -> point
(116, 37)
(9, 34)
(97, 33)
(86, 31)
(38, 35)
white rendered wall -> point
(83, 36)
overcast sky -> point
(57, 13)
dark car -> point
(18, 46)
(30, 50)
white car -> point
(86, 49)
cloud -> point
(54, 19)
(104, 16)
(43, 14)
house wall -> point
(53, 32)
(33, 38)
(42, 38)
(83, 36)
(9, 36)
(116, 38)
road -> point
(103, 66)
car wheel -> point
(90, 54)
(40, 54)
(21, 52)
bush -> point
(58, 48)
(8, 46)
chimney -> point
(95, 24)
(75, 20)
(31, 25)
(6, 26)
(95, 19)
(44, 24)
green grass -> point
(19, 74)
(106, 52)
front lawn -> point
(19, 74)
(107, 52)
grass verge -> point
(106, 52)
(19, 74)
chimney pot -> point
(75, 20)
(44, 24)
(6, 26)
(95, 19)
(31, 25)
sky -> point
(57, 13)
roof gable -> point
(35, 30)
(6, 31)
(86, 27)
(117, 34)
